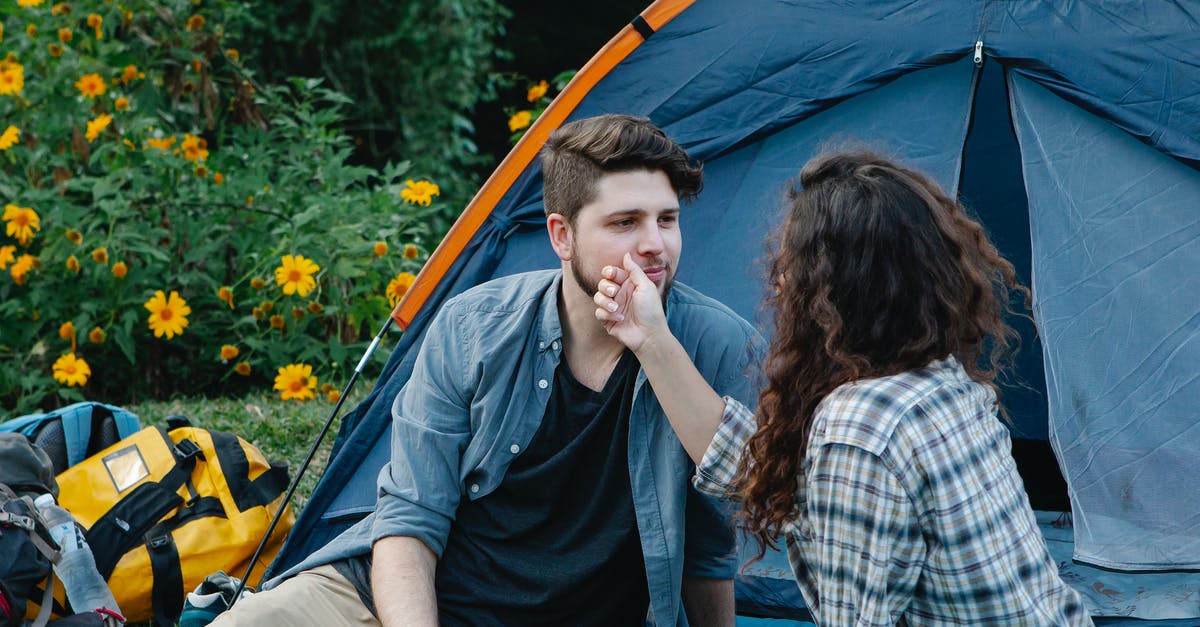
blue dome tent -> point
(1072, 129)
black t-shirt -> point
(557, 541)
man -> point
(534, 479)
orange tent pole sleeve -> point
(481, 206)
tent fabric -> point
(1116, 246)
(753, 92)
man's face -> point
(634, 212)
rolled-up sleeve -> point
(718, 468)
(419, 487)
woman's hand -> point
(629, 305)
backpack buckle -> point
(186, 449)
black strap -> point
(247, 493)
(121, 528)
(166, 596)
(642, 27)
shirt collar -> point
(550, 326)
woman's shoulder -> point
(869, 412)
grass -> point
(282, 430)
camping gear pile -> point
(161, 509)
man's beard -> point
(590, 287)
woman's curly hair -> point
(876, 271)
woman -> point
(876, 449)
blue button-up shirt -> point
(478, 393)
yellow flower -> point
(315, 307)
(295, 275)
(96, 335)
(194, 148)
(380, 249)
(296, 381)
(398, 287)
(29, 3)
(9, 138)
(31, 29)
(161, 144)
(129, 74)
(94, 127)
(66, 331)
(258, 313)
(537, 91)
(195, 22)
(65, 35)
(95, 22)
(71, 371)
(55, 50)
(267, 305)
(119, 269)
(419, 192)
(100, 255)
(232, 53)
(411, 252)
(121, 103)
(333, 396)
(257, 283)
(229, 352)
(243, 368)
(277, 321)
(21, 268)
(12, 77)
(201, 171)
(75, 236)
(219, 178)
(22, 222)
(225, 293)
(297, 312)
(62, 8)
(72, 264)
(91, 85)
(7, 254)
(520, 120)
(168, 314)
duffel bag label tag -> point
(126, 467)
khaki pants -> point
(317, 597)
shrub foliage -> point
(158, 201)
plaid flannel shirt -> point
(910, 508)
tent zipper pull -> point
(978, 51)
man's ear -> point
(561, 236)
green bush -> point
(143, 164)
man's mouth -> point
(657, 275)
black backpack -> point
(27, 552)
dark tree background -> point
(431, 79)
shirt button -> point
(554, 344)
(515, 449)
(474, 487)
(541, 345)
(543, 384)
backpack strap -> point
(43, 615)
(77, 430)
(125, 525)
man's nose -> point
(650, 243)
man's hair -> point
(578, 154)
(876, 271)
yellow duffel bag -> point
(164, 509)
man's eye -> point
(623, 223)
(668, 220)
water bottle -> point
(86, 589)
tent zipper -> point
(978, 51)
